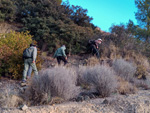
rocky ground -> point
(132, 103)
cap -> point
(32, 44)
(99, 39)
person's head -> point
(32, 45)
(99, 40)
(63, 46)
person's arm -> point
(55, 54)
(96, 44)
(34, 54)
(63, 53)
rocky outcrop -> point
(7, 27)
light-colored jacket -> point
(60, 52)
(34, 52)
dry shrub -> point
(141, 83)
(80, 80)
(102, 77)
(113, 51)
(124, 87)
(9, 97)
(124, 69)
(39, 91)
(55, 82)
(138, 59)
(109, 51)
(92, 61)
(141, 60)
(141, 72)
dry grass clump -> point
(141, 62)
(9, 97)
(39, 90)
(102, 77)
(124, 69)
(109, 50)
(80, 80)
(141, 83)
(130, 73)
(124, 87)
(92, 61)
(141, 72)
(55, 82)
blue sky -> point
(108, 12)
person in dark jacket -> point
(93, 46)
(61, 55)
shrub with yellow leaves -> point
(12, 46)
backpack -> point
(89, 45)
(91, 42)
(27, 53)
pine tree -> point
(143, 17)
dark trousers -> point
(94, 51)
(59, 58)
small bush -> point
(55, 82)
(141, 72)
(39, 91)
(80, 80)
(124, 87)
(102, 77)
(139, 83)
(92, 61)
(124, 69)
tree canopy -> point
(53, 24)
(143, 17)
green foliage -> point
(7, 10)
(79, 16)
(143, 16)
(50, 22)
(12, 46)
(53, 24)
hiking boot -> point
(23, 84)
(23, 81)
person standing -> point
(30, 69)
(61, 55)
(93, 47)
(29, 56)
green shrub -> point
(12, 46)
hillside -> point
(117, 82)
(127, 102)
